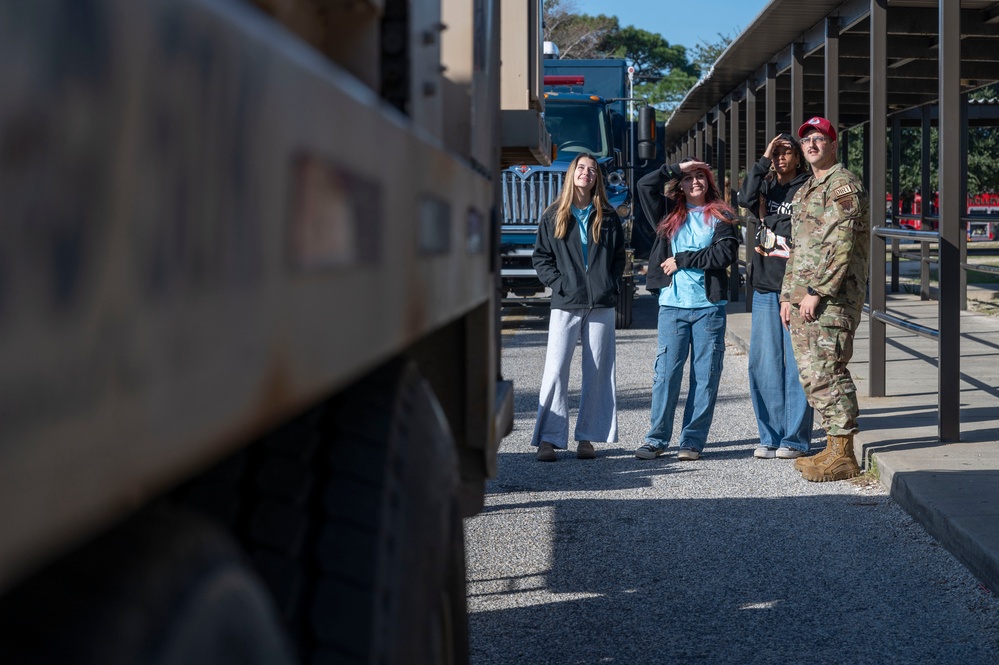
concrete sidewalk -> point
(952, 489)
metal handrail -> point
(924, 257)
(924, 238)
(904, 324)
(892, 232)
(946, 334)
(912, 256)
(964, 218)
(981, 267)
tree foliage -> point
(650, 53)
(577, 36)
(705, 53)
(663, 71)
(663, 74)
(983, 155)
(983, 150)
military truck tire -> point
(349, 514)
(165, 588)
(391, 585)
(625, 303)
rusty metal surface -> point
(173, 280)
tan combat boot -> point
(803, 463)
(839, 464)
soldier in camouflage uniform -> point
(823, 293)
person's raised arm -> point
(649, 188)
(749, 194)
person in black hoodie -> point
(696, 242)
(579, 254)
(783, 416)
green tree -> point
(910, 163)
(983, 150)
(648, 52)
(577, 35)
(705, 53)
(663, 74)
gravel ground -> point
(724, 560)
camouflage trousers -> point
(822, 349)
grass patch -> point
(989, 308)
(870, 477)
(974, 277)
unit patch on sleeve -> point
(843, 191)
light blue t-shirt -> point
(583, 214)
(687, 288)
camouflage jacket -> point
(830, 227)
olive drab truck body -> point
(248, 323)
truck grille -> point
(525, 199)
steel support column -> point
(733, 172)
(963, 288)
(896, 207)
(721, 148)
(925, 210)
(844, 147)
(721, 166)
(797, 85)
(708, 155)
(875, 160)
(865, 164)
(951, 210)
(771, 102)
(733, 153)
(832, 72)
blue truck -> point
(585, 111)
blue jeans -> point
(783, 416)
(700, 333)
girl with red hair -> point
(696, 242)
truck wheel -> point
(625, 303)
(391, 586)
(165, 588)
(350, 515)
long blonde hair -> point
(563, 206)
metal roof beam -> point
(919, 21)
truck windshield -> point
(577, 127)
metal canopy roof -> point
(912, 59)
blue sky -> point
(684, 22)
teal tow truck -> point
(585, 104)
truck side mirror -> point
(646, 133)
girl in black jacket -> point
(783, 416)
(579, 254)
(696, 242)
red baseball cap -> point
(820, 124)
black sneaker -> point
(648, 451)
(546, 452)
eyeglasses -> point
(817, 139)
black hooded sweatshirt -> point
(714, 259)
(767, 272)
